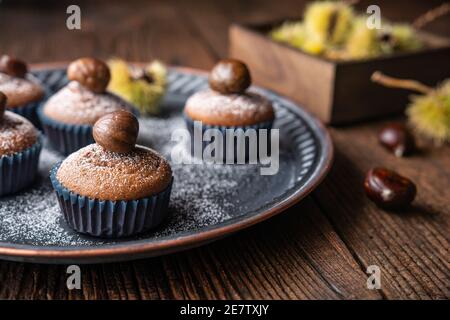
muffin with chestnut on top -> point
(24, 91)
(69, 115)
(20, 147)
(113, 188)
(228, 104)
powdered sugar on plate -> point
(33, 216)
(202, 196)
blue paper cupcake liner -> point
(262, 125)
(110, 219)
(29, 111)
(18, 171)
(65, 138)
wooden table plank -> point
(156, 30)
(295, 256)
(411, 247)
(434, 278)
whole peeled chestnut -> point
(117, 131)
(230, 76)
(388, 189)
(13, 67)
(396, 138)
(3, 101)
(92, 73)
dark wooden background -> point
(320, 248)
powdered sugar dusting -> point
(19, 90)
(209, 104)
(74, 104)
(14, 84)
(33, 216)
(202, 196)
(16, 134)
(97, 173)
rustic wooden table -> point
(320, 248)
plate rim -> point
(136, 248)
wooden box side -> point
(307, 79)
(356, 97)
(338, 92)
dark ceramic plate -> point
(208, 201)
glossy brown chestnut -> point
(91, 73)
(3, 100)
(117, 131)
(13, 67)
(396, 138)
(388, 189)
(230, 76)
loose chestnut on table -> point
(396, 138)
(92, 73)
(117, 131)
(230, 76)
(13, 67)
(388, 189)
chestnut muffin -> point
(228, 105)
(69, 115)
(113, 188)
(20, 146)
(24, 91)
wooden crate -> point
(338, 92)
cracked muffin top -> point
(76, 104)
(97, 173)
(16, 134)
(20, 91)
(235, 109)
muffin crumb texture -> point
(100, 174)
(214, 108)
(16, 134)
(74, 104)
(20, 91)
